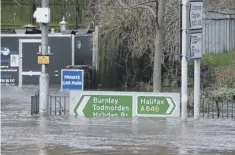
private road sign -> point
(72, 79)
(124, 104)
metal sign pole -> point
(196, 88)
(44, 77)
(184, 64)
(196, 18)
(191, 34)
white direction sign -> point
(196, 12)
(195, 45)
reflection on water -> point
(23, 134)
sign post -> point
(196, 13)
(42, 16)
(124, 104)
(184, 60)
(191, 28)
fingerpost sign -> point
(124, 104)
(104, 106)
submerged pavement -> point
(23, 134)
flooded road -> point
(23, 134)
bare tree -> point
(145, 24)
(220, 5)
(158, 14)
(159, 41)
(149, 25)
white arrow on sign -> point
(171, 105)
(82, 105)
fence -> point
(35, 104)
(218, 32)
(222, 107)
(209, 108)
(58, 105)
(15, 14)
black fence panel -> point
(58, 105)
(35, 104)
(222, 107)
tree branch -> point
(139, 6)
(147, 2)
(169, 24)
(17, 2)
(161, 12)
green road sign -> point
(153, 105)
(104, 106)
(124, 104)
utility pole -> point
(42, 16)
(44, 77)
(184, 61)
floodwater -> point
(23, 134)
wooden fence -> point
(17, 13)
(109, 59)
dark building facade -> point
(19, 56)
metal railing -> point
(58, 105)
(35, 104)
(216, 108)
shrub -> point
(220, 70)
(223, 93)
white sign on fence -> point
(195, 45)
(196, 12)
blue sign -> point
(72, 79)
(9, 68)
